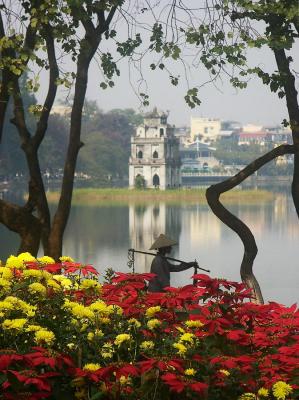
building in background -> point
(198, 157)
(155, 157)
(252, 134)
(205, 129)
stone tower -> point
(155, 153)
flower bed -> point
(64, 335)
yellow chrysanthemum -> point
(52, 283)
(66, 283)
(121, 338)
(187, 337)
(190, 372)
(105, 320)
(66, 259)
(17, 324)
(5, 273)
(134, 322)
(193, 324)
(224, 372)
(33, 328)
(46, 260)
(6, 305)
(12, 300)
(281, 390)
(98, 333)
(26, 257)
(81, 311)
(107, 350)
(90, 284)
(4, 284)
(44, 336)
(124, 380)
(46, 275)
(151, 311)
(181, 348)
(14, 262)
(100, 307)
(113, 308)
(247, 396)
(153, 323)
(91, 367)
(147, 345)
(32, 273)
(263, 392)
(38, 288)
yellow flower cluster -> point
(98, 333)
(224, 372)
(66, 259)
(247, 396)
(281, 390)
(263, 392)
(80, 311)
(107, 350)
(153, 323)
(91, 367)
(134, 322)
(4, 285)
(17, 323)
(19, 262)
(87, 284)
(121, 338)
(147, 345)
(5, 273)
(187, 337)
(194, 323)
(13, 303)
(190, 372)
(46, 260)
(37, 288)
(181, 348)
(44, 336)
(151, 311)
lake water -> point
(102, 236)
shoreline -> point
(103, 196)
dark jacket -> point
(162, 268)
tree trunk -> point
(88, 49)
(250, 248)
(20, 220)
(283, 64)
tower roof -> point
(155, 114)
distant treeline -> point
(106, 137)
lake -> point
(102, 236)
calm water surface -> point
(102, 235)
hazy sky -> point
(256, 104)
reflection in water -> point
(146, 222)
(102, 236)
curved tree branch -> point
(250, 248)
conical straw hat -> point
(162, 241)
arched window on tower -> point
(155, 154)
(161, 132)
(139, 154)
